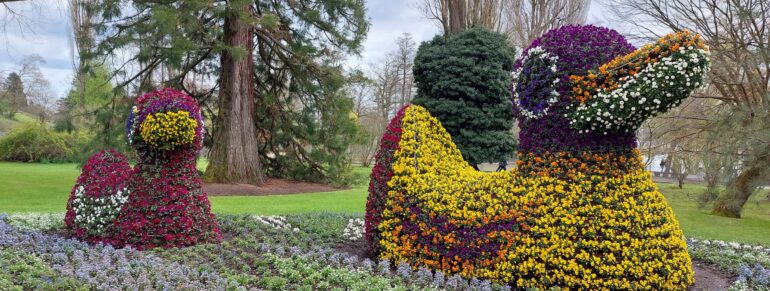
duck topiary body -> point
(580, 211)
(165, 205)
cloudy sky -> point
(48, 35)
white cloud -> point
(43, 30)
(389, 20)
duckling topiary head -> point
(165, 121)
(584, 88)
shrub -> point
(34, 142)
(463, 80)
(80, 143)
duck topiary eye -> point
(168, 130)
(534, 83)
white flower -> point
(537, 52)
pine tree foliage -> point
(13, 97)
(463, 81)
(302, 114)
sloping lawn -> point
(45, 188)
(753, 227)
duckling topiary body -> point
(580, 211)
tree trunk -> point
(234, 156)
(731, 201)
(457, 16)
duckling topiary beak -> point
(620, 95)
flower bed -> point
(751, 263)
(262, 254)
(259, 255)
(103, 267)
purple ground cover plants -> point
(261, 254)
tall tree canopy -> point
(277, 99)
(463, 81)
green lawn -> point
(753, 227)
(45, 188)
(36, 187)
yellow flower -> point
(168, 130)
(593, 231)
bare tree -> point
(42, 99)
(386, 87)
(377, 96)
(738, 34)
(359, 87)
(454, 16)
(82, 22)
(404, 55)
(17, 12)
(526, 20)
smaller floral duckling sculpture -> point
(161, 202)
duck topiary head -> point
(584, 88)
(165, 121)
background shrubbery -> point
(35, 142)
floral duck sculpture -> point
(160, 203)
(580, 211)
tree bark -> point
(731, 201)
(234, 156)
(457, 16)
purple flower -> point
(579, 48)
(404, 270)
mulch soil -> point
(270, 187)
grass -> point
(36, 187)
(45, 188)
(753, 227)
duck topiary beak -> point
(168, 130)
(620, 95)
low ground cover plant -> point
(257, 253)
